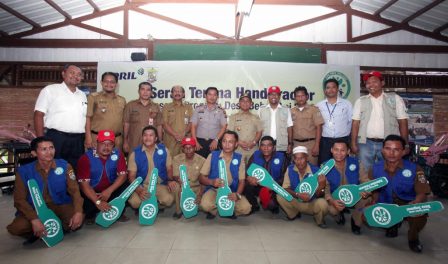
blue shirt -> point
(337, 117)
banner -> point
(232, 78)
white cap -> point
(300, 149)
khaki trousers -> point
(208, 204)
(196, 190)
(164, 196)
(318, 208)
(356, 213)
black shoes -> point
(210, 216)
(355, 229)
(177, 215)
(30, 240)
(322, 225)
(340, 219)
(392, 231)
(415, 246)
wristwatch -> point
(238, 196)
(98, 202)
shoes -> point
(415, 246)
(355, 229)
(322, 225)
(392, 231)
(254, 209)
(275, 210)
(177, 215)
(123, 218)
(30, 240)
(340, 219)
(210, 216)
(90, 221)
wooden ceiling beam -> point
(421, 11)
(239, 18)
(374, 34)
(59, 9)
(384, 7)
(17, 14)
(94, 6)
(349, 27)
(441, 28)
(258, 2)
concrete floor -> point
(259, 238)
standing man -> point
(236, 175)
(102, 176)
(276, 120)
(194, 163)
(307, 120)
(375, 116)
(61, 110)
(60, 191)
(275, 163)
(208, 123)
(105, 111)
(407, 185)
(176, 120)
(337, 115)
(138, 114)
(297, 172)
(248, 127)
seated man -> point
(407, 185)
(142, 161)
(296, 172)
(194, 163)
(102, 176)
(57, 182)
(236, 174)
(274, 162)
(345, 171)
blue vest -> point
(56, 181)
(401, 184)
(96, 167)
(351, 172)
(294, 176)
(275, 164)
(159, 159)
(234, 168)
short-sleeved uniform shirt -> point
(132, 165)
(106, 112)
(305, 121)
(241, 171)
(193, 167)
(208, 121)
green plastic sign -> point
(387, 215)
(149, 208)
(187, 196)
(225, 206)
(265, 179)
(52, 223)
(350, 194)
(107, 218)
(310, 183)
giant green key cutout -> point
(107, 218)
(149, 208)
(350, 194)
(387, 215)
(52, 223)
(225, 206)
(187, 196)
(309, 184)
(265, 179)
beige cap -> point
(300, 149)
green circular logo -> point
(189, 204)
(52, 227)
(381, 216)
(345, 196)
(225, 203)
(259, 174)
(148, 211)
(305, 188)
(344, 83)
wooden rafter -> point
(294, 25)
(59, 9)
(97, 30)
(384, 7)
(374, 34)
(239, 18)
(421, 11)
(92, 4)
(349, 28)
(17, 14)
(441, 28)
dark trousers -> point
(251, 192)
(325, 147)
(90, 208)
(416, 224)
(205, 143)
(68, 146)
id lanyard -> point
(330, 120)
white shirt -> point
(337, 117)
(64, 110)
(273, 130)
(375, 125)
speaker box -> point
(138, 56)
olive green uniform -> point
(177, 116)
(246, 125)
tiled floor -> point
(260, 238)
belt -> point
(304, 140)
(65, 133)
(376, 139)
(96, 133)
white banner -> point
(232, 78)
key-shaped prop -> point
(225, 206)
(309, 184)
(187, 196)
(107, 218)
(52, 223)
(387, 215)
(350, 194)
(149, 208)
(265, 179)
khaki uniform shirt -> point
(138, 116)
(305, 122)
(287, 181)
(132, 165)
(105, 112)
(246, 125)
(193, 167)
(241, 171)
(21, 192)
(177, 116)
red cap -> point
(274, 89)
(104, 135)
(366, 76)
(189, 141)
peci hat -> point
(366, 76)
(189, 141)
(274, 89)
(300, 149)
(104, 135)
(246, 94)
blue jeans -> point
(369, 153)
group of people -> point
(109, 143)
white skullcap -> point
(300, 149)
